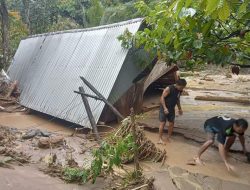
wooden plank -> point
(116, 112)
(89, 113)
(224, 99)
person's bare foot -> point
(198, 160)
(161, 142)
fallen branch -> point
(242, 100)
(145, 185)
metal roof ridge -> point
(88, 29)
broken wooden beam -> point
(242, 100)
(89, 113)
(88, 95)
(115, 111)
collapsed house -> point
(48, 69)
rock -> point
(35, 132)
(201, 82)
(176, 171)
(207, 182)
(54, 141)
(182, 183)
(30, 134)
(162, 180)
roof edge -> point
(89, 29)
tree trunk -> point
(5, 32)
(26, 4)
(243, 100)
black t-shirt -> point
(223, 126)
(172, 98)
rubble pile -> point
(9, 94)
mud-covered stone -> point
(183, 184)
(54, 141)
(176, 171)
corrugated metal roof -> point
(48, 67)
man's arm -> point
(179, 107)
(224, 157)
(165, 93)
(242, 141)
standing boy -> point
(224, 127)
(169, 99)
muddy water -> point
(179, 152)
(23, 178)
(33, 121)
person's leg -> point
(171, 119)
(161, 128)
(162, 118)
(204, 147)
(170, 130)
(230, 142)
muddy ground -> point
(188, 136)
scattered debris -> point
(18, 157)
(206, 78)
(9, 94)
(50, 159)
(228, 75)
(4, 163)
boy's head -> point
(181, 84)
(240, 126)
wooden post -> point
(89, 113)
(116, 112)
(136, 159)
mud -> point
(35, 121)
(28, 177)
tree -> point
(26, 4)
(95, 13)
(196, 31)
(5, 32)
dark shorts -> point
(210, 131)
(170, 117)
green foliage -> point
(76, 175)
(194, 31)
(94, 13)
(63, 24)
(18, 30)
(111, 153)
